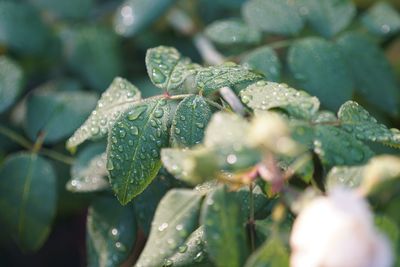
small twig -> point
(179, 96)
(17, 138)
(251, 222)
(214, 104)
(39, 142)
(57, 156)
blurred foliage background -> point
(56, 57)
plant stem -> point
(17, 138)
(179, 96)
(251, 222)
(214, 104)
(25, 143)
(39, 142)
(281, 44)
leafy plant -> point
(290, 103)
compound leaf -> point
(175, 219)
(191, 118)
(111, 232)
(119, 96)
(265, 95)
(319, 68)
(168, 70)
(358, 122)
(28, 199)
(134, 145)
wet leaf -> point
(57, 114)
(272, 253)
(328, 17)
(262, 96)
(168, 70)
(111, 232)
(372, 74)
(232, 32)
(176, 218)
(20, 22)
(134, 16)
(212, 78)
(191, 118)
(134, 146)
(319, 68)
(358, 122)
(224, 228)
(28, 199)
(350, 177)
(273, 16)
(119, 96)
(382, 19)
(11, 78)
(264, 60)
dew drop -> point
(168, 263)
(135, 113)
(110, 165)
(158, 113)
(134, 130)
(157, 76)
(182, 249)
(162, 227)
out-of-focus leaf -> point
(224, 228)
(319, 68)
(232, 32)
(27, 199)
(272, 253)
(134, 146)
(262, 96)
(134, 16)
(11, 76)
(89, 178)
(191, 118)
(273, 16)
(260, 201)
(328, 17)
(390, 228)
(264, 60)
(94, 54)
(382, 19)
(57, 114)
(119, 96)
(168, 70)
(147, 202)
(111, 232)
(20, 22)
(176, 218)
(350, 177)
(210, 79)
(358, 122)
(71, 9)
(336, 147)
(372, 74)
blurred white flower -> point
(338, 231)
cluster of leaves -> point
(189, 170)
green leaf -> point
(176, 218)
(118, 97)
(168, 70)
(390, 228)
(191, 118)
(232, 32)
(134, 146)
(263, 95)
(94, 54)
(382, 19)
(11, 77)
(328, 17)
(212, 78)
(272, 253)
(372, 74)
(27, 199)
(57, 114)
(264, 60)
(92, 177)
(350, 177)
(358, 122)
(224, 228)
(111, 232)
(147, 202)
(319, 68)
(273, 16)
(20, 22)
(260, 201)
(71, 9)
(192, 252)
(336, 147)
(134, 16)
